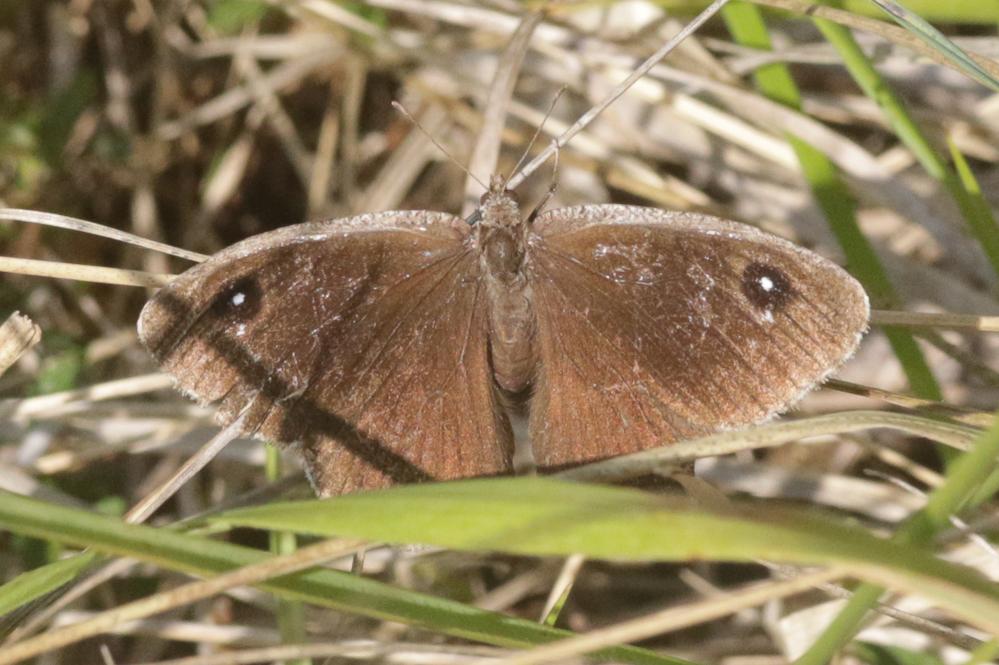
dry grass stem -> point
(304, 558)
(890, 32)
(82, 273)
(74, 224)
(17, 335)
(485, 154)
(766, 436)
(141, 511)
(936, 320)
(80, 399)
(400, 653)
(563, 585)
(670, 619)
(202, 123)
(623, 87)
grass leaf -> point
(541, 516)
(327, 588)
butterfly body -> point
(500, 240)
(382, 343)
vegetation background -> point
(199, 123)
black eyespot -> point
(239, 300)
(767, 287)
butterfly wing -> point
(365, 339)
(659, 326)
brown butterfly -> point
(386, 344)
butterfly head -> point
(499, 205)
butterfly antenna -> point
(551, 188)
(537, 133)
(416, 123)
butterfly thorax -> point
(500, 239)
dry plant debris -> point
(199, 123)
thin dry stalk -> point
(179, 597)
(671, 619)
(74, 224)
(18, 334)
(485, 155)
(636, 74)
(83, 273)
(935, 320)
(767, 436)
(78, 400)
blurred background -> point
(200, 123)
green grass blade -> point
(327, 588)
(958, 12)
(964, 478)
(290, 613)
(879, 654)
(861, 260)
(985, 653)
(975, 209)
(544, 517)
(41, 581)
(978, 217)
(746, 24)
(922, 28)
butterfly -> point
(389, 345)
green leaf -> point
(960, 12)
(61, 113)
(327, 588)
(60, 372)
(38, 582)
(540, 516)
(229, 17)
(978, 216)
(877, 654)
(922, 29)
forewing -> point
(655, 327)
(364, 339)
